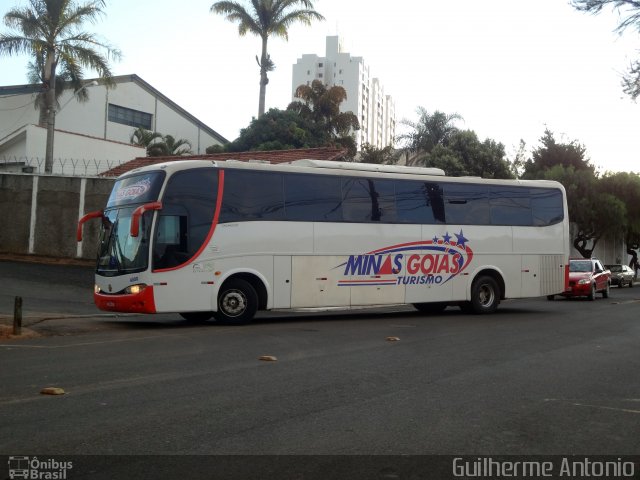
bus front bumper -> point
(141, 302)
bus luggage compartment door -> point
(316, 282)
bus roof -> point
(368, 167)
(328, 167)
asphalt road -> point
(537, 377)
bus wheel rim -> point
(233, 303)
(486, 295)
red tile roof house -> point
(272, 156)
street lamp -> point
(48, 159)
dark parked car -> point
(621, 275)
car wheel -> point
(485, 295)
(605, 292)
(592, 293)
(237, 302)
(631, 283)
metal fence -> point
(61, 166)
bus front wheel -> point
(485, 295)
(237, 302)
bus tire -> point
(431, 307)
(485, 295)
(237, 302)
(196, 317)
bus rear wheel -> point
(485, 295)
(237, 302)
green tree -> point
(51, 32)
(626, 187)
(594, 211)
(629, 11)
(430, 130)
(517, 164)
(169, 146)
(264, 18)
(552, 153)
(277, 130)
(379, 156)
(320, 105)
(143, 137)
(484, 159)
(65, 79)
(462, 153)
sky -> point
(510, 68)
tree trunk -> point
(264, 64)
(42, 107)
(50, 69)
(580, 244)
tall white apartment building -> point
(365, 94)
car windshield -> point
(580, 266)
(615, 268)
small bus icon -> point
(18, 467)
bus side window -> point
(547, 206)
(467, 204)
(510, 206)
(252, 196)
(419, 202)
(368, 200)
(312, 198)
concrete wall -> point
(40, 214)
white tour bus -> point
(226, 239)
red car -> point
(587, 276)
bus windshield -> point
(118, 251)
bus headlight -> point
(96, 288)
(134, 289)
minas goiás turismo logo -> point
(427, 262)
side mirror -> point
(81, 222)
(137, 213)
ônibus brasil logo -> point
(434, 261)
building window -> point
(320, 65)
(319, 75)
(128, 116)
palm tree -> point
(143, 137)
(320, 105)
(49, 31)
(430, 130)
(169, 146)
(264, 18)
